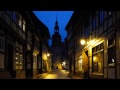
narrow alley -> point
(59, 44)
(57, 74)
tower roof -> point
(56, 28)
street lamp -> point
(48, 54)
(82, 42)
(64, 63)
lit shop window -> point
(19, 57)
(80, 64)
(97, 60)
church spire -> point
(56, 28)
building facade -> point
(20, 44)
(99, 56)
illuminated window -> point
(80, 64)
(24, 25)
(19, 56)
(20, 22)
(97, 60)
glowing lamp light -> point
(48, 54)
(82, 42)
(94, 58)
(64, 63)
(112, 60)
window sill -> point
(111, 65)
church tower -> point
(56, 48)
(56, 37)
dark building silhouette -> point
(56, 48)
(56, 37)
(21, 44)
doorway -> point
(10, 60)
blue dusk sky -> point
(49, 17)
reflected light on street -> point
(51, 76)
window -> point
(111, 56)
(94, 23)
(21, 59)
(19, 56)
(80, 64)
(1, 61)
(35, 62)
(24, 25)
(111, 41)
(94, 50)
(110, 19)
(14, 16)
(109, 13)
(29, 61)
(20, 22)
(87, 31)
(111, 51)
(2, 41)
(101, 17)
(97, 60)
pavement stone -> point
(74, 76)
(40, 76)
